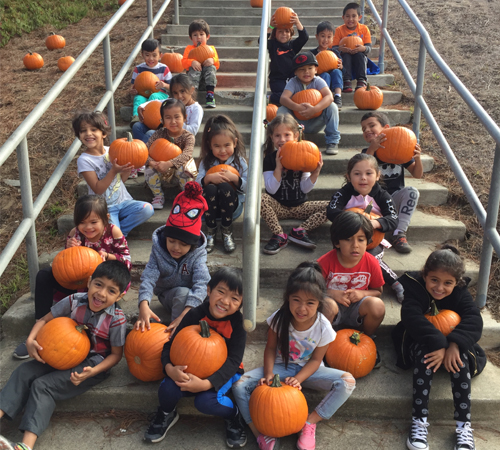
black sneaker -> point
(21, 351)
(465, 439)
(337, 99)
(236, 436)
(301, 238)
(378, 361)
(417, 439)
(210, 101)
(275, 244)
(400, 243)
(161, 423)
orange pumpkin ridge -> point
(327, 61)
(398, 147)
(173, 61)
(201, 53)
(300, 155)
(152, 115)
(445, 320)
(55, 42)
(33, 61)
(164, 150)
(368, 97)
(282, 17)
(73, 266)
(64, 63)
(145, 84)
(128, 150)
(312, 96)
(351, 41)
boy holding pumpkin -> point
(36, 386)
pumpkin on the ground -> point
(278, 410)
(327, 61)
(173, 61)
(145, 83)
(353, 352)
(399, 146)
(445, 320)
(300, 155)
(282, 17)
(152, 115)
(351, 41)
(201, 53)
(312, 96)
(200, 348)
(65, 344)
(55, 42)
(368, 97)
(164, 150)
(64, 63)
(378, 235)
(33, 61)
(271, 111)
(128, 150)
(143, 352)
(73, 266)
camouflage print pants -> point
(209, 75)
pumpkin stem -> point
(129, 137)
(80, 328)
(434, 309)
(276, 381)
(205, 329)
(369, 207)
(368, 87)
(355, 338)
(198, 44)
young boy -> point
(199, 33)
(221, 310)
(354, 60)
(305, 66)
(177, 269)
(35, 386)
(405, 197)
(334, 80)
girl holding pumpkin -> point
(223, 176)
(297, 341)
(427, 347)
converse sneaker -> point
(400, 243)
(360, 84)
(332, 149)
(337, 99)
(21, 351)
(236, 436)
(307, 437)
(161, 423)
(210, 100)
(417, 439)
(268, 442)
(465, 439)
(347, 86)
(275, 244)
(299, 236)
(158, 202)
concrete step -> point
(310, 22)
(230, 11)
(319, 4)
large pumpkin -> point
(351, 41)
(327, 61)
(278, 410)
(282, 17)
(201, 53)
(399, 146)
(445, 320)
(145, 84)
(64, 63)
(33, 61)
(256, 3)
(368, 97)
(271, 111)
(312, 96)
(300, 155)
(64, 343)
(220, 167)
(73, 266)
(173, 61)
(378, 235)
(164, 150)
(151, 115)
(55, 42)
(353, 352)
(143, 352)
(200, 348)
(128, 150)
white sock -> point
(338, 95)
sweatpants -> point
(174, 300)
(209, 75)
(354, 65)
(222, 201)
(277, 87)
(405, 201)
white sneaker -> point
(465, 439)
(158, 202)
(417, 439)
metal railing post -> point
(383, 30)
(108, 75)
(176, 12)
(419, 89)
(362, 8)
(27, 202)
(150, 16)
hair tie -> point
(301, 127)
(105, 122)
(266, 122)
(210, 129)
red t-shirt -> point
(365, 275)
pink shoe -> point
(158, 202)
(267, 442)
(307, 438)
(133, 174)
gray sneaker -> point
(21, 351)
(161, 423)
(332, 149)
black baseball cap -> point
(304, 59)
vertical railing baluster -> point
(381, 55)
(419, 89)
(108, 75)
(176, 12)
(362, 8)
(150, 16)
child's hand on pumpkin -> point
(435, 359)
(177, 373)
(145, 315)
(308, 110)
(319, 166)
(359, 49)
(196, 65)
(273, 21)
(120, 169)
(417, 152)
(194, 384)
(376, 143)
(140, 113)
(267, 380)
(133, 91)
(376, 224)
(77, 378)
(292, 381)
(208, 62)
(217, 178)
(163, 166)
(452, 361)
(73, 242)
(162, 85)
(294, 18)
(340, 66)
(279, 165)
(33, 347)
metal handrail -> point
(487, 219)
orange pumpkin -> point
(220, 167)
(173, 61)
(55, 42)
(351, 41)
(300, 155)
(445, 320)
(312, 96)
(128, 150)
(64, 63)
(378, 235)
(327, 61)
(278, 410)
(151, 115)
(164, 150)
(368, 97)
(352, 352)
(201, 53)
(256, 3)
(121, 2)
(33, 61)
(64, 343)
(143, 352)
(73, 266)
(271, 111)
(145, 84)
(200, 348)
(399, 146)
(282, 17)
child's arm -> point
(310, 367)
(187, 151)
(100, 186)
(212, 61)
(187, 63)
(416, 168)
(71, 240)
(111, 360)
(272, 177)
(303, 36)
(133, 90)
(149, 277)
(31, 344)
(389, 219)
(195, 118)
(314, 176)
(286, 100)
(338, 202)
(120, 250)
(269, 357)
(355, 295)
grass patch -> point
(17, 282)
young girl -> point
(182, 168)
(105, 177)
(92, 230)
(362, 188)
(224, 191)
(286, 190)
(440, 283)
(297, 341)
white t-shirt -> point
(303, 343)
(116, 192)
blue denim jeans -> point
(142, 132)
(128, 214)
(329, 120)
(333, 79)
(327, 379)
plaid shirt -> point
(106, 328)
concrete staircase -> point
(385, 393)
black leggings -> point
(422, 381)
(222, 201)
(45, 288)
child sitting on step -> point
(177, 271)
(36, 386)
(199, 33)
(405, 197)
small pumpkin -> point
(145, 83)
(121, 2)
(200, 348)
(282, 17)
(278, 410)
(128, 150)
(327, 61)
(55, 42)
(445, 320)
(353, 352)
(271, 111)
(351, 41)
(399, 146)
(151, 115)
(220, 167)
(378, 235)
(368, 97)
(73, 266)
(33, 61)
(143, 352)
(64, 343)
(201, 53)
(256, 3)
(312, 96)
(300, 155)
(164, 150)
(173, 61)
(64, 63)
